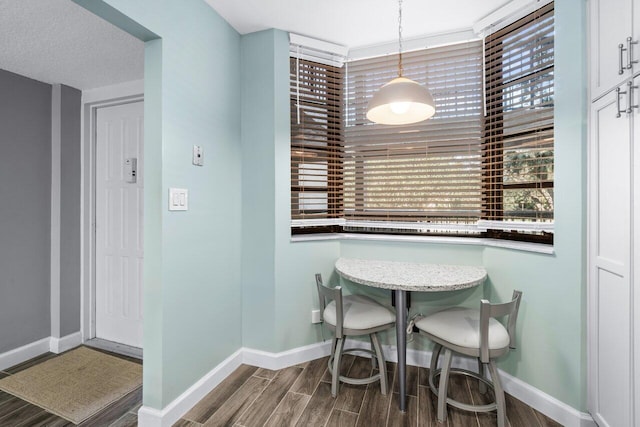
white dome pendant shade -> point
(400, 102)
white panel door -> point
(610, 25)
(119, 223)
(610, 293)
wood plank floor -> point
(295, 396)
(15, 412)
(301, 396)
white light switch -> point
(178, 199)
(198, 155)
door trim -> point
(92, 100)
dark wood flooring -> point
(301, 396)
(295, 396)
(15, 412)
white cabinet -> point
(613, 34)
(614, 213)
(610, 264)
(635, 300)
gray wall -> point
(70, 221)
(25, 215)
(25, 210)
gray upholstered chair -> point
(353, 315)
(473, 333)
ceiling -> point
(354, 23)
(57, 41)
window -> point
(316, 138)
(423, 177)
(482, 166)
(518, 137)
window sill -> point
(494, 243)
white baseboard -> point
(24, 353)
(150, 417)
(37, 348)
(59, 345)
(542, 402)
(275, 361)
(586, 420)
(166, 417)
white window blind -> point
(424, 177)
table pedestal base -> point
(401, 336)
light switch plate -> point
(178, 199)
(198, 155)
(130, 170)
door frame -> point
(92, 101)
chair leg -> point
(435, 354)
(383, 367)
(444, 382)
(373, 359)
(482, 387)
(335, 375)
(499, 392)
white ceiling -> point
(354, 23)
(57, 41)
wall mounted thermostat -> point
(198, 155)
(178, 199)
(131, 170)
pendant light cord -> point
(298, 83)
(400, 69)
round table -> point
(408, 276)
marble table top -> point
(410, 276)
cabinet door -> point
(610, 302)
(610, 25)
(636, 243)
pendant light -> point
(402, 100)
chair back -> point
(487, 311)
(325, 296)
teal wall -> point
(276, 283)
(552, 325)
(192, 286)
(258, 189)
